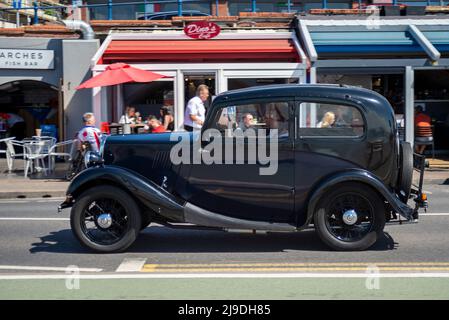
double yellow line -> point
(297, 267)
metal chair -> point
(53, 152)
(11, 153)
(4, 141)
(33, 152)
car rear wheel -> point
(350, 217)
(105, 219)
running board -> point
(202, 217)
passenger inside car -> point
(327, 121)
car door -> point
(261, 190)
(330, 137)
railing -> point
(22, 6)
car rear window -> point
(330, 120)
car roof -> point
(303, 90)
(373, 102)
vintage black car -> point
(340, 168)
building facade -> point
(38, 77)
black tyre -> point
(406, 171)
(105, 219)
(350, 217)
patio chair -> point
(33, 153)
(53, 152)
(11, 153)
(4, 141)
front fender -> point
(356, 175)
(145, 190)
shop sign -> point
(26, 59)
(202, 30)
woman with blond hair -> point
(196, 111)
(327, 121)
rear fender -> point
(361, 176)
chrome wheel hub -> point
(350, 217)
(104, 220)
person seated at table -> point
(89, 133)
(129, 117)
(167, 119)
(154, 125)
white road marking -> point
(37, 268)
(224, 275)
(434, 214)
(131, 265)
(33, 219)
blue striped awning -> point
(389, 38)
(363, 42)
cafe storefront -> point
(232, 59)
(405, 60)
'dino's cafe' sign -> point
(202, 30)
(26, 59)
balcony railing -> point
(110, 10)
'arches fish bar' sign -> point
(202, 30)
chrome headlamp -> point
(92, 159)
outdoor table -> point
(137, 127)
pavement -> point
(38, 185)
(41, 259)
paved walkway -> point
(14, 185)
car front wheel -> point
(105, 219)
(350, 217)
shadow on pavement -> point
(165, 240)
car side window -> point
(330, 120)
(243, 117)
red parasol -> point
(117, 73)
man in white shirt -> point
(89, 133)
(195, 113)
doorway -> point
(27, 105)
(191, 82)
